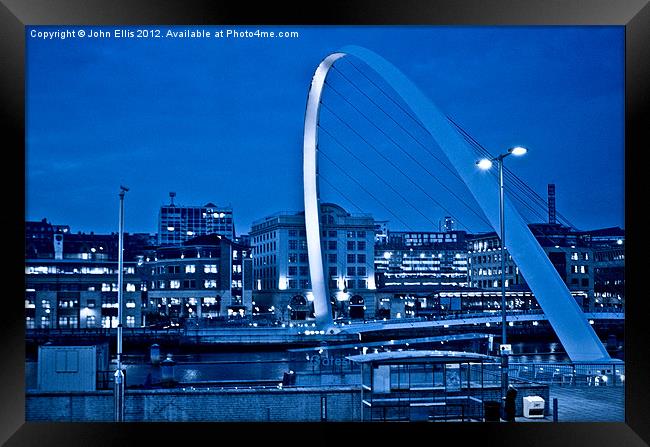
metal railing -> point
(570, 374)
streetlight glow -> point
(484, 164)
(518, 150)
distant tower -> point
(171, 196)
(551, 203)
(449, 224)
(58, 245)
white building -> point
(281, 266)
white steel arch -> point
(565, 316)
(319, 286)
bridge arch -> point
(565, 316)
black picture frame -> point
(16, 14)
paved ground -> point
(586, 404)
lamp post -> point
(119, 375)
(486, 164)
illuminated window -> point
(90, 321)
(130, 321)
(175, 284)
(190, 268)
(130, 287)
(210, 268)
(210, 284)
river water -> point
(259, 367)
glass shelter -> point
(418, 385)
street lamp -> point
(486, 164)
(119, 375)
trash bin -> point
(491, 411)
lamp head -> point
(518, 150)
(484, 164)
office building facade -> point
(71, 279)
(421, 258)
(569, 251)
(281, 266)
(206, 277)
(177, 224)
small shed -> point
(67, 368)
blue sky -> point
(220, 120)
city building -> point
(71, 279)
(432, 301)
(281, 266)
(571, 252)
(421, 258)
(609, 266)
(206, 277)
(177, 224)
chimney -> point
(551, 203)
(58, 246)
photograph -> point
(325, 223)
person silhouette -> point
(510, 405)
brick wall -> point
(245, 405)
(275, 405)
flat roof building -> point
(177, 224)
(281, 265)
